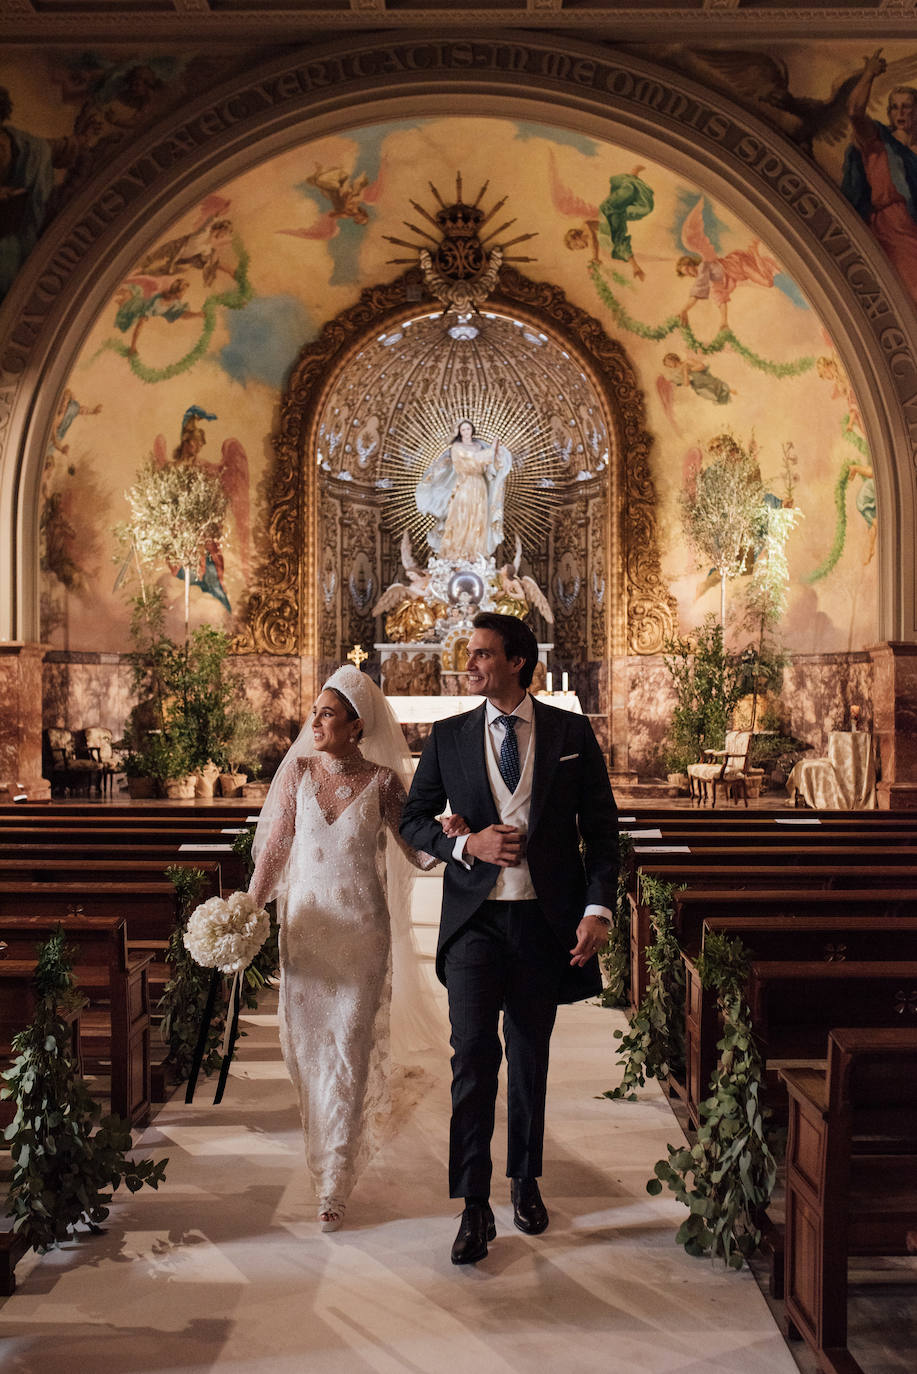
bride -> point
(327, 847)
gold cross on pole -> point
(358, 656)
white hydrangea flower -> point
(226, 933)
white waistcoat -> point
(513, 884)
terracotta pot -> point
(181, 789)
(138, 788)
(231, 784)
(206, 780)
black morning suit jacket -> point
(571, 799)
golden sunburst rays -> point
(419, 435)
(461, 239)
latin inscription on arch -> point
(517, 64)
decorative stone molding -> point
(749, 166)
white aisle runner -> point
(225, 1267)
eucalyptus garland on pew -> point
(615, 957)
(654, 1046)
(65, 1155)
(727, 1177)
(185, 996)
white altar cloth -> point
(414, 710)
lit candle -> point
(565, 683)
(549, 683)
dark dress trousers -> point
(512, 956)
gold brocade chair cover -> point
(727, 768)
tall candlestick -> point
(565, 683)
(549, 682)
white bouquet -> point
(226, 933)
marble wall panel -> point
(818, 692)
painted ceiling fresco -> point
(188, 359)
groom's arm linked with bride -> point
(527, 901)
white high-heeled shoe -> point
(331, 1214)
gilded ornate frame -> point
(282, 611)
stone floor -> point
(225, 1267)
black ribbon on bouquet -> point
(230, 1034)
(216, 978)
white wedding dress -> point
(325, 858)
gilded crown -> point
(459, 221)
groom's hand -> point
(498, 844)
(591, 935)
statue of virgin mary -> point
(463, 490)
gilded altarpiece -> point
(333, 544)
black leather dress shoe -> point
(529, 1212)
(476, 1228)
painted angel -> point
(347, 195)
(202, 248)
(714, 276)
(691, 371)
(629, 198)
(140, 298)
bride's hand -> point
(454, 826)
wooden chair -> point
(99, 748)
(726, 768)
(68, 771)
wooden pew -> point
(851, 1176)
(844, 940)
(793, 1005)
(749, 882)
(115, 1028)
(231, 865)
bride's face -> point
(332, 732)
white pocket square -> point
(565, 758)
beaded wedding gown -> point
(335, 956)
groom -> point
(525, 906)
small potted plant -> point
(240, 751)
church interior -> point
(323, 327)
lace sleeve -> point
(392, 798)
(272, 860)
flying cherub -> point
(203, 247)
(347, 195)
(521, 591)
(716, 276)
(629, 198)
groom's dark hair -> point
(518, 640)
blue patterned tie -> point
(509, 753)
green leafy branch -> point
(654, 1046)
(185, 994)
(615, 957)
(67, 1160)
(726, 1178)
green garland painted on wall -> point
(234, 299)
(625, 320)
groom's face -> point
(490, 672)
